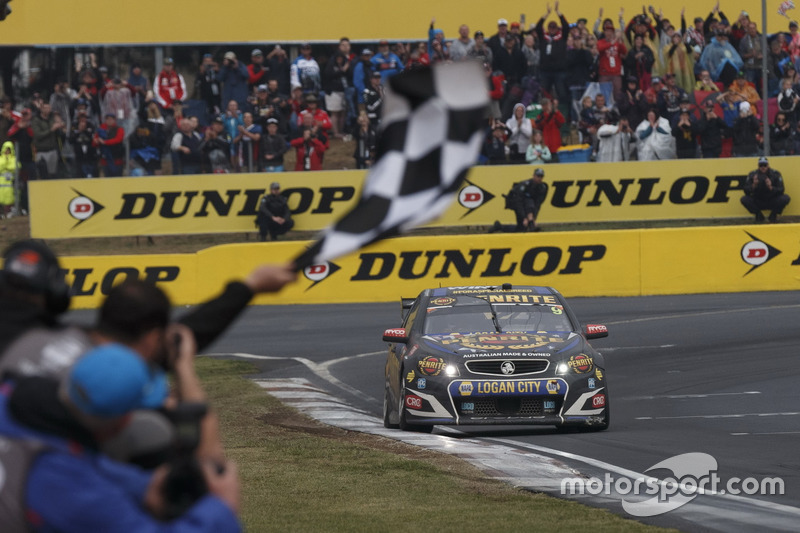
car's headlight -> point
(451, 371)
(562, 369)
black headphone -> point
(33, 267)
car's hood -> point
(488, 344)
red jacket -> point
(113, 148)
(320, 117)
(169, 87)
(550, 125)
(316, 149)
(611, 56)
(256, 78)
(497, 89)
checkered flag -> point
(430, 135)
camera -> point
(185, 483)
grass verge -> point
(300, 475)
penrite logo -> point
(472, 197)
(82, 207)
(756, 252)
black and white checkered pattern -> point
(431, 134)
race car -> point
(481, 355)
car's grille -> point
(495, 366)
(520, 406)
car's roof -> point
(481, 290)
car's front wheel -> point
(404, 425)
(387, 409)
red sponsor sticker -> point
(396, 332)
(413, 402)
(599, 400)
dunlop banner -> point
(164, 205)
(582, 193)
(725, 259)
(637, 190)
(91, 277)
(608, 263)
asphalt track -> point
(715, 374)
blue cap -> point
(112, 380)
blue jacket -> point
(79, 490)
(387, 64)
(234, 85)
(361, 74)
(716, 55)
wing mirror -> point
(395, 335)
(596, 331)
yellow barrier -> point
(591, 192)
(47, 22)
(209, 203)
(590, 263)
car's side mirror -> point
(596, 331)
(395, 335)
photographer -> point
(614, 139)
(208, 87)
(60, 481)
(216, 147)
(310, 146)
(234, 77)
(685, 133)
(81, 137)
(711, 129)
(32, 290)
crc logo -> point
(319, 272)
(507, 367)
(756, 252)
(413, 402)
(82, 207)
(599, 400)
(472, 197)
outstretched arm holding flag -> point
(431, 134)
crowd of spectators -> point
(640, 87)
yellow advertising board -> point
(90, 278)
(59, 22)
(215, 203)
(164, 205)
(722, 259)
(588, 263)
(636, 190)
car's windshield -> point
(510, 317)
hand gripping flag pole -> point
(430, 135)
